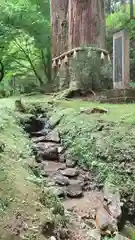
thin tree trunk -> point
(1, 71)
(47, 66)
(131, 9)
(30, 61)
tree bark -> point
(86, 23)
(131, 9)
(59, 19)
(1, 70)
(76, 23)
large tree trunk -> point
(86, 23)
(76, 23)
(59, 18)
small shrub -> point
(4, 203)
(49, 200)
(87, 71)
(121, 21)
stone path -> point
(77, 188)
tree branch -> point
(22, 65)
(43, 62)
(30, 61)
(1, 71)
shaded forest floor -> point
(103, 143)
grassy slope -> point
(18, 193)
(116, 112)
(111, 152)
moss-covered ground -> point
(103, 142)
(19, 189)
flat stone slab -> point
(55, 121)
(48, 150)
(43, 132)
(53, 136)
(105, 222)
(62, 166)
(74, 191)
(38, 139)
(76, 182)
(118, 96)
(62, 158)
(112, 201)
(61, 180)
(51, 167)
(70, 172)
(70, 163)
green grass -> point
(110, 152)
(104, 151)
(18, 191)
(116, 112)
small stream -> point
(77, 188)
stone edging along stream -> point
(69, 182)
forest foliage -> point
(120, 20)
(25, 43)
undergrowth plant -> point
(20, 186)
(116, 22)
(105, 151)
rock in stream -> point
(69, 182)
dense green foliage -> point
(25, 45)
(121, 21)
